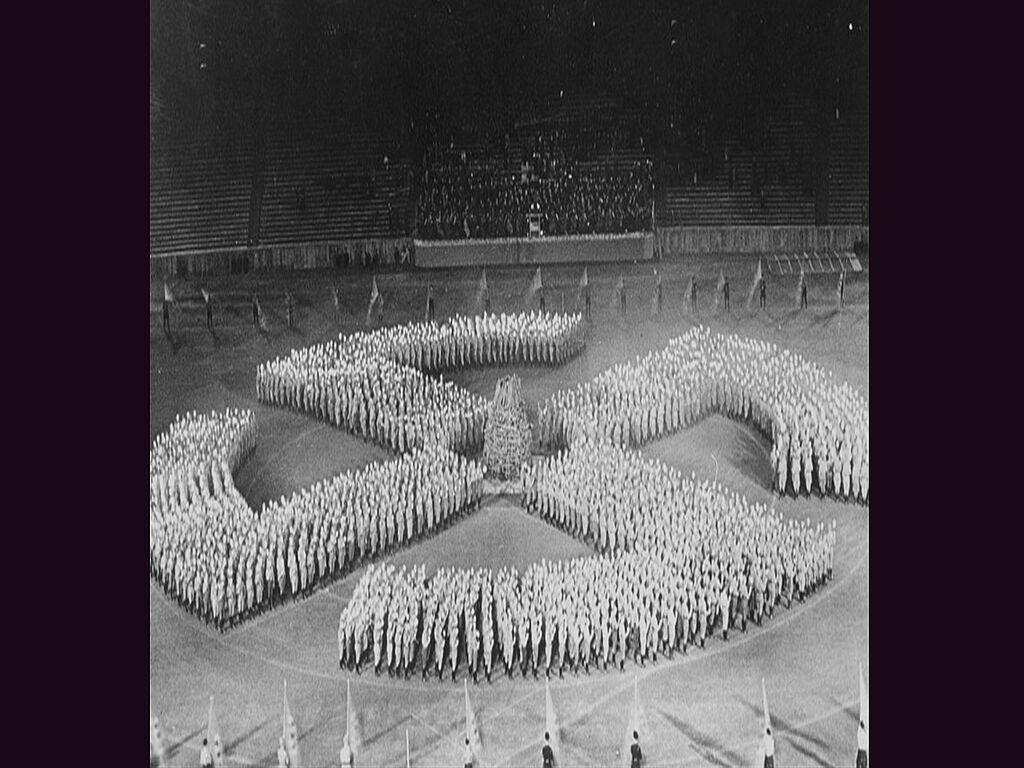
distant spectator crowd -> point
(571, 176)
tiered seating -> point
(199, 184)
(316, 183)
(784, 171)
(587, 172)
(848, 170)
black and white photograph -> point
(508, 371)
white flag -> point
(213, 740)
(290, 732)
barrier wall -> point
(684, 241)
(277, 257)
(548, 250)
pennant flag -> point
(863, 699)
(585, 281)
(551, 723)
(156, 738)
(213, 739)
(754, 286)
(374, 297)
(290, 733)
(168, 296)
(800, 285)
(351, 721)
(636, 724)
(764, 703)
(408, 762)
(472, 730)
(206, 295)
(537, 283)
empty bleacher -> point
(316, 185)
(848, 170)
(199, 184)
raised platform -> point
(434, 254)
(688, 241)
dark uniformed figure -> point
(291, 307)
(540, 294)
(467, 755)
(862, 746)
(255, 311)
(622, 298)
(725, 293)
(768, 745)
(635, 755)
(657, 298)
(487, 301)
(209, 311)
(586, 299)
(167, 316)
(430, 303)
(842, 290)
(337, 301)
(803, 294)
(763, 287)
(693, 294)
(547, 754)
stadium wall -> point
(326, 255)
(434, 254)
(686, 241)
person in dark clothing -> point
(693, 294)
(622, 299)
(167, 316)
(547, 754)
(725, 293)
(803, 294)
(255, 311)
(586, 299)
(635, 755)
(291, 308)
(487, 302)
(657, 298)
(540, 293)
(430, 303)
(763, 287)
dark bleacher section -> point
(328, 182)
(775, 185)
(199, 184)
(848, 171)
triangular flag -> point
(213, 739)
(551, 722)
(206, 295)
(764, 703)
(754, 286)
(635, 723)
(290, 733)
(585, 280)
(168, 296)
(863, 699)
(472, 730)
(351, 720)
(156, 738)
(537, 283)
(374, 293)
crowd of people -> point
(485, 200)
(818, 428)
(225, 562)
(678, 558)
(372, 383)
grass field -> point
(700, 709)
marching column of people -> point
(225, 562)
(819, 429)
(678, 558)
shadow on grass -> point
(704, 745)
